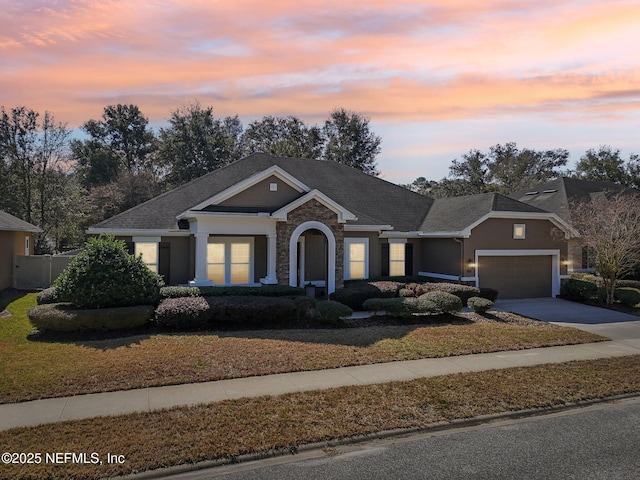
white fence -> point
(37, 271)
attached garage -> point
(519, 274)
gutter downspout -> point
(459, 240)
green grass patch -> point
(33, 368)
(226, 430)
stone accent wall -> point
(310, 211)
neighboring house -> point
(16, 238)
(560, 197)
(270, 220)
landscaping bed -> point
(33, 367)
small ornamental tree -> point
(609, 225)
(105, 275)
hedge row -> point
(65, 318)
(202, 312)
(354, 294)
(260, 291)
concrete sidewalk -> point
(147, 399)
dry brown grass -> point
(231, 428)
(40, 368)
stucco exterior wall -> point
(441, 256)
(260, 195)
(497, 234)
(11, 243)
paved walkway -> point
(146, 399)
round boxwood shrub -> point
(59, 317)
(105, 275)
(48, 295)
(444, 302)
(479, 304)
(628, 296)
(331, 312)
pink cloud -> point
(410, 59)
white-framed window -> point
(27, 245)
(397, 257)
(230, 260)
(149, 252)
(519, 231)
(356, 258)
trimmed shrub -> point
(305, 307)
(405, 292)
(399, 307)
(329, 311)
(479, 304)
(445, 302)
(178, 292)
(355, 293)
(387, 288)
(61, 317)
(182, 313)
(628, 283)
(104, 275)
(252, 310)
(463, 292)
(48, 295)
(581, 290)
(488, 293)
(628, 296)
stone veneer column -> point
(310, 211)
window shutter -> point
(384, 260)
(130, 248)
(164, 267)
(408, 259)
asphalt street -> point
(597, 442)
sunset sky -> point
(436, 77)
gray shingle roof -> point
(454, 214)
(10, 223)
(558, 195)
(375, 200)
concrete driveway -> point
(608, 323)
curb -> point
(385, 434)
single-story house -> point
(560, 196)
(270, 220)
(16, 238)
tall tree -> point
(504, 169)
(282, 137)
(512, 169)
(34, 155)
(349, 140)
(603, 164)
(118, 159)
(610, 227)
(123, 132)
(606, 164)
(196, 143)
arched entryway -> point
(314, 228)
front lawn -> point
(281, 424)
(33, 367)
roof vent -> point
(550, 191)
(532, 193)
